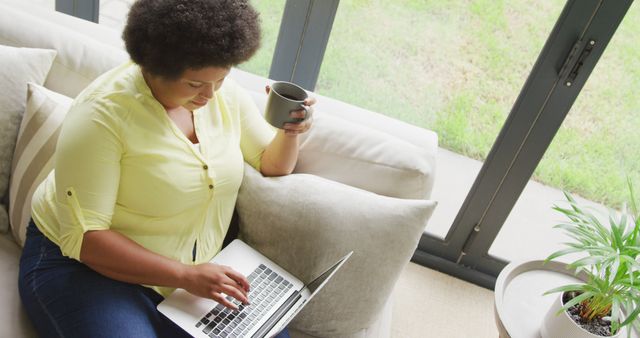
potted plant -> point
(609, 299)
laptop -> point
(276, 297)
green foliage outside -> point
(456, 67)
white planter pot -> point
(560, 324)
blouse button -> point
(210, 186)
(205, 167)
(69, 193)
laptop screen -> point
(320, 280)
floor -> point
(432, 304)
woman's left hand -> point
(305, 113)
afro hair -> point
(167, 37)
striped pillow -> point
(33, 157)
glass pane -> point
(592, 155)
(450, 66)
(270, 16)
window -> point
(446, 66)
(593, 153)
(270, 16)
(479, 74)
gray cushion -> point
(19, 66)
(380, 329)
(305, 223)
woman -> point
(148, 166)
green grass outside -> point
(456, 67)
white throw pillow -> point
(362, 157)
(33, 159)
(80, 58)
(305, 223)
(19, 66)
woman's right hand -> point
(210, 280)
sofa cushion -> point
(365, 158)
(80, 58)
(33, 157)
(305, 223)
(19, 66)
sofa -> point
(363, 182)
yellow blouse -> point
(122, 164)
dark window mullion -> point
(533, 95)
(302, 41)
(83, 9)
(598, 27)
(520, 145)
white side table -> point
(520, 304)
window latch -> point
(572, 73)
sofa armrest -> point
(14, 319)
(424, 140)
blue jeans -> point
(65, 298)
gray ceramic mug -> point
(284, 98)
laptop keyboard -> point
(267, 288)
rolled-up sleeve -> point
(87, 173)
(256, 133)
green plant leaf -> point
(632, 250)
(632, 199)
(630, 261)
(616, 235)
(631, 317)
(564, 288)
(610, 261)
(580, 234)
(602, 231)
(586, 261)
(576, 300)
(615, 310)
(561, 253)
